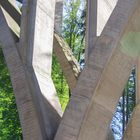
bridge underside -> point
(113, 48)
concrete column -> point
(101, 83)
(98, 14)
(36, 41)
(58, 16)
(29, 117)
(104, 10)
(91, 26)
(68, 63)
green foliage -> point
(9, 121)
(60, 83)
(74, 21)
(73, 32)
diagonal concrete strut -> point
(68, 63)
(101, 83)
(29, 116)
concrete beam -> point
(98, 13)
(91, 26)
(29, 116)
(133, 127)
(101, 83)
(104, 10)
(15, 29)
(36, 42)
(68, 63)
(58, 16)
(11, 10)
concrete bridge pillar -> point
(36, 45)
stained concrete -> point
(36, 42)
(29, 118)
(100, 85)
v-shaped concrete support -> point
(64, 55)
(101, 83)
(29, 118)
(44, 97)
(36, 41)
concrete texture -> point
(58, 16)
(36, 42)
(29, 118)
(133, 127)
(64, 55)
(105, 76)
(101, 83)
(104, 10)
(68, 63)
(91, 27)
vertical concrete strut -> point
(100, 85)
(58, 16)
(90, 110)
(98, 13)
(30, 122)
(91, 26)
(68, 62)
(68, 57)
(36, 40)
(104, 10)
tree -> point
(73, 31)
(74, 25)
(60, 83)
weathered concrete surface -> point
(104, 10)
(15, 29)
(97, 10)
(98, 13)
(91, 27)
(68, 63)
(110, 135)
(133, 127)
(105, 76)
(58, 16)
(13, 16)
(36, 41)
(29, 117)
